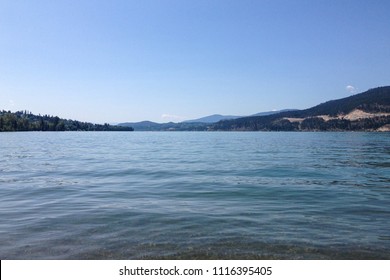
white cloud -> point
(351, 89)
(172, 118)
(11, 103)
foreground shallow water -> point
(194, 195)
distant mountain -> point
(367, 111)
(152, 126)
(212, 119)
(216, 117)
(143, 126)
(271, 112)
(200, 124)
(26, 121)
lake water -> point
(194, 195)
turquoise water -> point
(194, 195)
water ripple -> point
(194, 196)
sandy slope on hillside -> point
(352, 116)
(359, 114)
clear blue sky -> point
(164, 60)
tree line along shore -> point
(26, 121)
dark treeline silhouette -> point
(26, 121)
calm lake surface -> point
(194, 195)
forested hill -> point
(372, 101)
(367, 111)
(26, 121)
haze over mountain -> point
(216, 117)
(212, 119)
